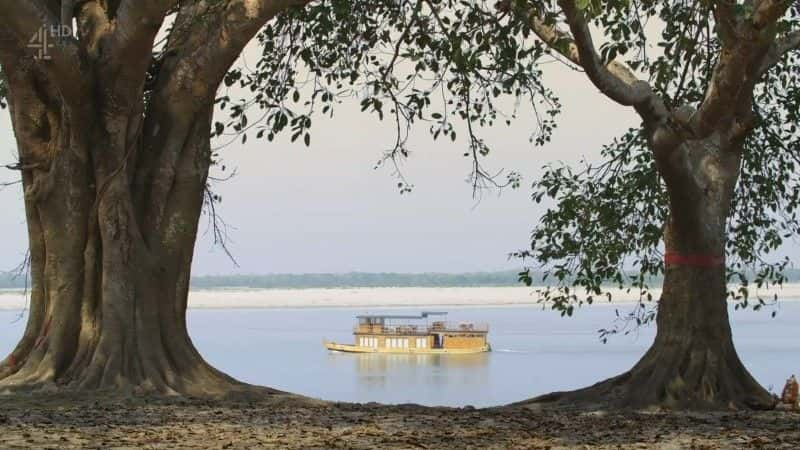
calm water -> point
(535, 352)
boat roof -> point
(422, 315)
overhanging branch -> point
(767, 12)
(211, 47)
(781, 47)
(614, 80)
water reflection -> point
(372, 362)
(408, 373)
(535, 352)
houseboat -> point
(415, 334)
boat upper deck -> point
(410, 325)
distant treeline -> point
(390, 279)
(358, 279)
(353, 279)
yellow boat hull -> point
(412, 351)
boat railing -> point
(393, 329)
(435, 327)
(459, 326)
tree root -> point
(701, 380)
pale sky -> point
(323, 208)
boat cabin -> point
(418, 333)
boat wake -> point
(507, 350)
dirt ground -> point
(60, 421)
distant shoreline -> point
(382, 297)
(347, 280)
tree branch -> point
(206, 40)
(137, 23)
(67, 10)
(768, 11)
(726, 19)
(614, 79)
(208, 48)
(242, 20)
(748, 50)
(93, 24)
(34, 25)
(778, 49)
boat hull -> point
(407, 351)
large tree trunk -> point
(692, 363)
(113, 200)
(114, 152)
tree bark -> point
(692, 364)
(114, 147)
(111, 244)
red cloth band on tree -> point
(673, 258)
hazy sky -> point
(325, 209)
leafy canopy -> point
(449, 62)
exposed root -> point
(189, 375)
(694, 381)
(214, 385)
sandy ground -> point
(379, 297)
(282, 421)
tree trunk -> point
(692, 363)
(113, 198)
(114, 149)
